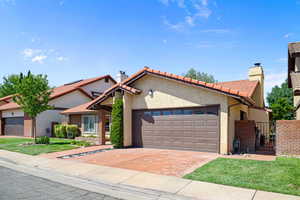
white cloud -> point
(28, 53)
(194, 10)
(61, 58)
(39, 59)
(39, 55)
(272, 79)
(216, 31)
(287, 35)
(202, 10)
(189, 20)
(176, 27)
(165, 2)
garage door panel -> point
(14, 126)
(188, 130)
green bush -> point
(81, 143)
(116, 136)
(72, 131)
(42, 140)
(60, 131)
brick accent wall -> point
(245, 132)
(288, 137)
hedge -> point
(116, 134)
(66, 131)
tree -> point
(116, 135)
(280, 100)
(33, 95)
(8, 85)
(201, 76)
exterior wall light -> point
(150, 92)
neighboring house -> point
(294, 74)
(13, 121)
(163, 110)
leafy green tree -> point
(201, 76)
(8, 85)
(116, 135)
(280, 100)
(33, 95)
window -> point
(89, 124)
(167, 112)
(106, 80)
(187, 112)
(156, 113)
(243, 115)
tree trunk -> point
(34, 129)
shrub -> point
(60, 131)
(43, 140)
(81, 143)
(72, 131)
(116, 136)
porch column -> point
(1, 124)
(101, 126)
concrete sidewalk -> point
(162, 187)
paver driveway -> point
(159, 161)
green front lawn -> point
(15, 144)
(281, 175)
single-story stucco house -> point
(163, 110)
(14, 122)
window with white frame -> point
(89, 123)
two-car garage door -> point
(194, 129)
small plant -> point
(81, 143)
(72, 131)
(43, 140)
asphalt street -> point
(18, 185)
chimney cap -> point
(257, 64)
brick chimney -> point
(256, 73)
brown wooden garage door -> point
(194, 129)
(14, 126)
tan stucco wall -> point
(296, 102)
(12, 113)
(70, 100)
(234, 114)
(259, 115)
(98, 86)
(171, 94)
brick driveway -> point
(158, 161)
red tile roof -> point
(85, 107)
(6, 98)
(61, 90)
(238, 92)
(245, 86)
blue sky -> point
(75, 39)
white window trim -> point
(96, 125)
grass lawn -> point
(281, 175)
(15, 144)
